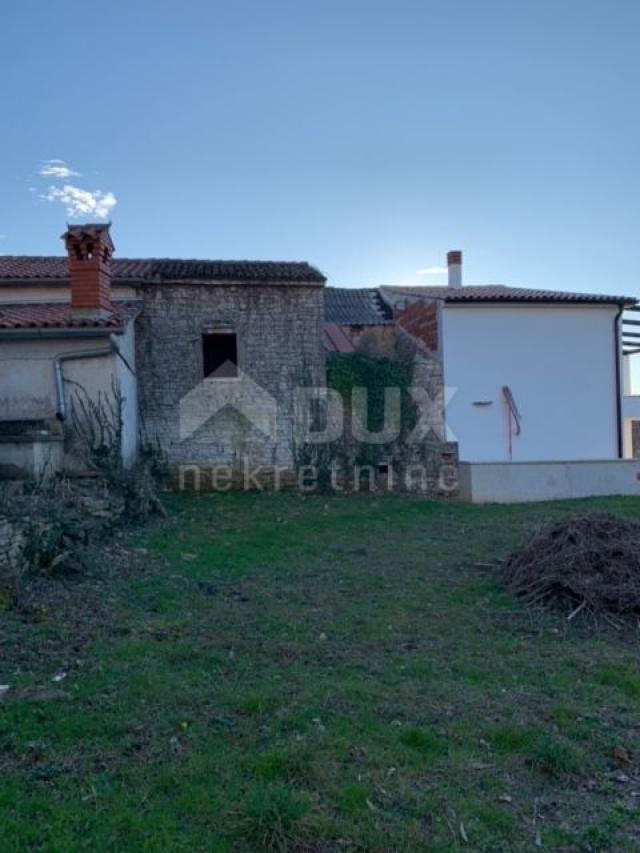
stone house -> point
(216, 333)
(152, 331)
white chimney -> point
(454, 266)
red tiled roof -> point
(335, 339)
(57, 315)
(20, 267)
(502, 293)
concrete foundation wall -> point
(522, 482)
(31, 460)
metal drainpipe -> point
(116, 349)
(58, 361)
(616, 342)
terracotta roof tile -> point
(20, 267)
(335, 339)
(57, 315)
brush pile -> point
(587, 563)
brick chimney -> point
(90, 249)
(454, 267)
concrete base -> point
(521, 482)
(30, 459)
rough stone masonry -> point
(278, 330)
(205, 356)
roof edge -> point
(53, 268)
(508, 295)
(223, 282)
(28, 333)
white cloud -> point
(432, 271)
(79, 202)
(57, 169)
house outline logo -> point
(228, 387)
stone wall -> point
(397, 343)
(635, 439)
(374, 341)
(428, 374)
(279, 345)
(434, 457)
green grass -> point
(622, 677)
(266, 672)
(426, 743)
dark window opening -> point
(220, 354)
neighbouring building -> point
(60, 346)
(531, 378)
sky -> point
(366, 137)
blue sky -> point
(366, 137)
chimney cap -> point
(454, 257)
(89, 230)
(101, 226)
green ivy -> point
(346, 372)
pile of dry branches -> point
(587, 563)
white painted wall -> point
(558, 361)
(56, 291)
(27, 386)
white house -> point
(534, 385)
(57, 352)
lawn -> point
(262, 672)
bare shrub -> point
(98, 426)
